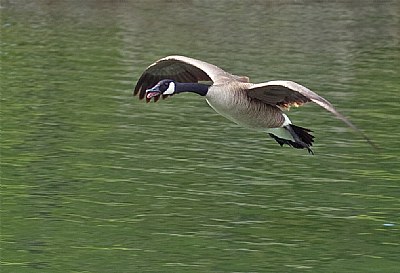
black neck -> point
(197, 88)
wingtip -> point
(375, 147)
(135, 91)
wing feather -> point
(179, 68)
(288, 93)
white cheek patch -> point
(170, 90)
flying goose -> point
(257, 106)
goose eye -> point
(165, 86)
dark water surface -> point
(93, 180)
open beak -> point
(153, 93)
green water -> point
(93, 180)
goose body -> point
(232, 102)
(256, 106)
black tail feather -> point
(302, 133)
(303, 138)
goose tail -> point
(302, 139)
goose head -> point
(163, 87)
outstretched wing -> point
(287, 93)
(181, 69)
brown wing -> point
(181, 69)
(287, 93)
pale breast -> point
(231, 101)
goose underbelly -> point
(246, 112)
